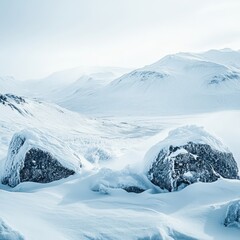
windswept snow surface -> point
(88, 205)
(125, 117)
(7, 233)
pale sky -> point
(38, 37)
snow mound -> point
(27, 147)
(233, 215)
(7, 233)
(97, 155)
(124, 179)
(189, 154)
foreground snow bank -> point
(125, 179)
(189, 154)
(34, 156)
(7, 233)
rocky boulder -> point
(188, 155)
(233, 215)
(33, 157)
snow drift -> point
(7, 233)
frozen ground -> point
(69, 209)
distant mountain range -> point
(176, 84)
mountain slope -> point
(225, 56)
(176, 84)
(9, 85)
(59, 84)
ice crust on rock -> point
(7, 233)
(188, 155)
(233, 215)
(33, 156)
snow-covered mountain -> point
(210, 80)
(64, 83)
(9, 84)
(225, 56)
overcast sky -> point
(38, 37)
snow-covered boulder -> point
(37, 157)
(188, 155)
(233, 215)
(125, 179)
(7, 233)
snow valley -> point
(121, 153)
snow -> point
(195, 212)
(6, 233)
(165, 88)
(233, 215)
(64, 83)
(90, 205)
(9, 84)
(118, 120)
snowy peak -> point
(181, 69)
(166, 86)
(225, 56)
(63, 84)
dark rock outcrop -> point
(42, 167)
(134, 189)
(178, 166)
(12, 101)
(233, 215)
(29, 163)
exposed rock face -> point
(42, 167)
(133, 189)
(176, 167)
(29, 163)
(233, 215)
(12, 101)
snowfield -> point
(89, 206)
(182, 83)
(119, 126)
